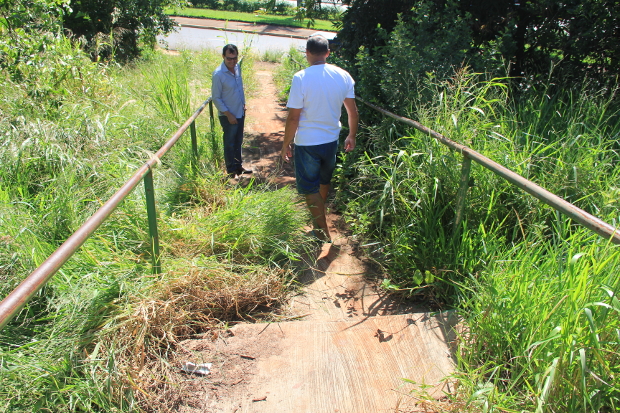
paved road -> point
(199, 34)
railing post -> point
(462, 193)
(149, 190)
(214, 141)
(192, 130)
(211, 117)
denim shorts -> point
(314, 166)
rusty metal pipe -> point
(589, 221)
(28, 288)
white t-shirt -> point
(319, 91)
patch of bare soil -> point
(232, 363)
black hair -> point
(230, 48)
(317, 45)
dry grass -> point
(191, 304)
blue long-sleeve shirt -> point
(227, 91)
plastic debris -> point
(202, 369)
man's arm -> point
(351, 107)
(292, 123)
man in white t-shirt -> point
(314, 107)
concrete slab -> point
(354, 366)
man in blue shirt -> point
(229, 99)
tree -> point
(116, 28)
(577, 38)
(308, 9)
(362, 20)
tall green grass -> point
(61, 157)
(403, 194)
(537, 293)
(543, 322)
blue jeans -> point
(314, 166)
(233, 138)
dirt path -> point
(347, 346)
(265, 131)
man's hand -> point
(349, 143)
(290, 129)
(351, 107)
(287, 153)
(231, 118)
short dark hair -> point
(230, 48)
(317, 44)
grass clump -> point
(244, 229)
(181, 304)
(549, 316)
(283, 75)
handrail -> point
(589, 221)
(28, 288)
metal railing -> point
(28, 288)
(589, 221)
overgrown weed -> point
(182, 304)
(61, 163)
(538, 293)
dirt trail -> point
(265, 131)
(347, 345)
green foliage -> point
(117, 29)
(544, 39)
(363, 20)
(61, 157)
(291, 64)
(401, 193)
(430, 43)
(575, 36)
(29, 29)
(313, 10)
(34, 53)
(549, 315)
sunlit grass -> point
(61, 353)
(543, 323)
(537, 293)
